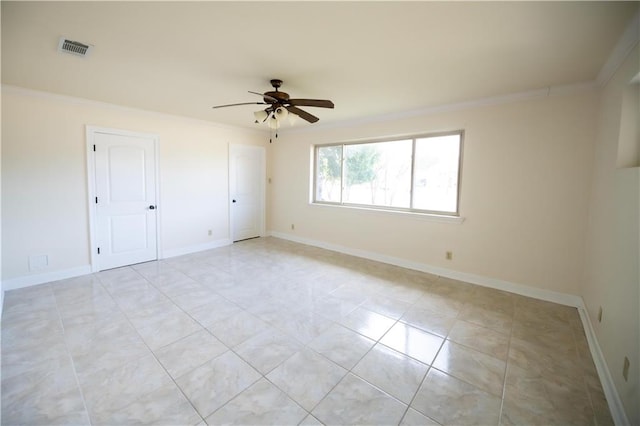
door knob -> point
(152, 207)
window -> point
(420, 174)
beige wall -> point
(44, 177)
(525, 182)
(612, 278)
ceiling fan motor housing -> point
(280, 96)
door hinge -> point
(98, 250)
(94, 148)
(96, 200)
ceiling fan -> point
(280, 105)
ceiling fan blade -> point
(302, 114)
(320, 103)
(243, 103)
(271, 98)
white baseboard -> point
(195, 248)
(613, 398)
(45, 277)
(608, 386)
(521, 289)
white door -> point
(246, 191)
(125, 198)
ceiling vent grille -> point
(74, 47)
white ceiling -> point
(370, 58)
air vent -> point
(74, 47)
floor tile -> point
(480, 338)
(310, 421)
(387, 306)
(212, 312)
(404, 292)
(350, 292)
(270, 312)
(354, 401)
(434, 302)
(546, 334)
(219, 320)
(411, 341)
(22, 323)
(112, 389)
(391, 371)
(341, 345)
(453, 289)
(144, 297)
(90, 311)
(600, 408)
(546, 360)
(334, 308)
(43, 397)
(303, 326)
(43, 326)
(493, 299)
(214, 383)
(433, 322)
(196, 297)
(306, 367)
(130, 281)
(29, 299)
(531, 398)
(367, 323)
(164, 406)
(448, 400)
(237, 328)
(77, 290)
(168, 328)
(488, 318)
(414, 418)
(267, 350)
(33, 357)
(260, 404)
(189, 352)
(103, 345)
(481, 370)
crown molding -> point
(625, 45)
(551, 91)
(10, 89)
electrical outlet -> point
(293, 227)
(210, 232)
(600, 314)
(449, 255)
(625, 369)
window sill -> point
(429, 217)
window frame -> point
(409, 209)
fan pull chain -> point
(271, 136)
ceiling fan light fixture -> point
(281, 113)
(273, 122)
(292, 118)
(260, 116)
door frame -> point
(263, 188)
(91, 187)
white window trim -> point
(428, 217)
(445, 217)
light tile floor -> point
(271, 332)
